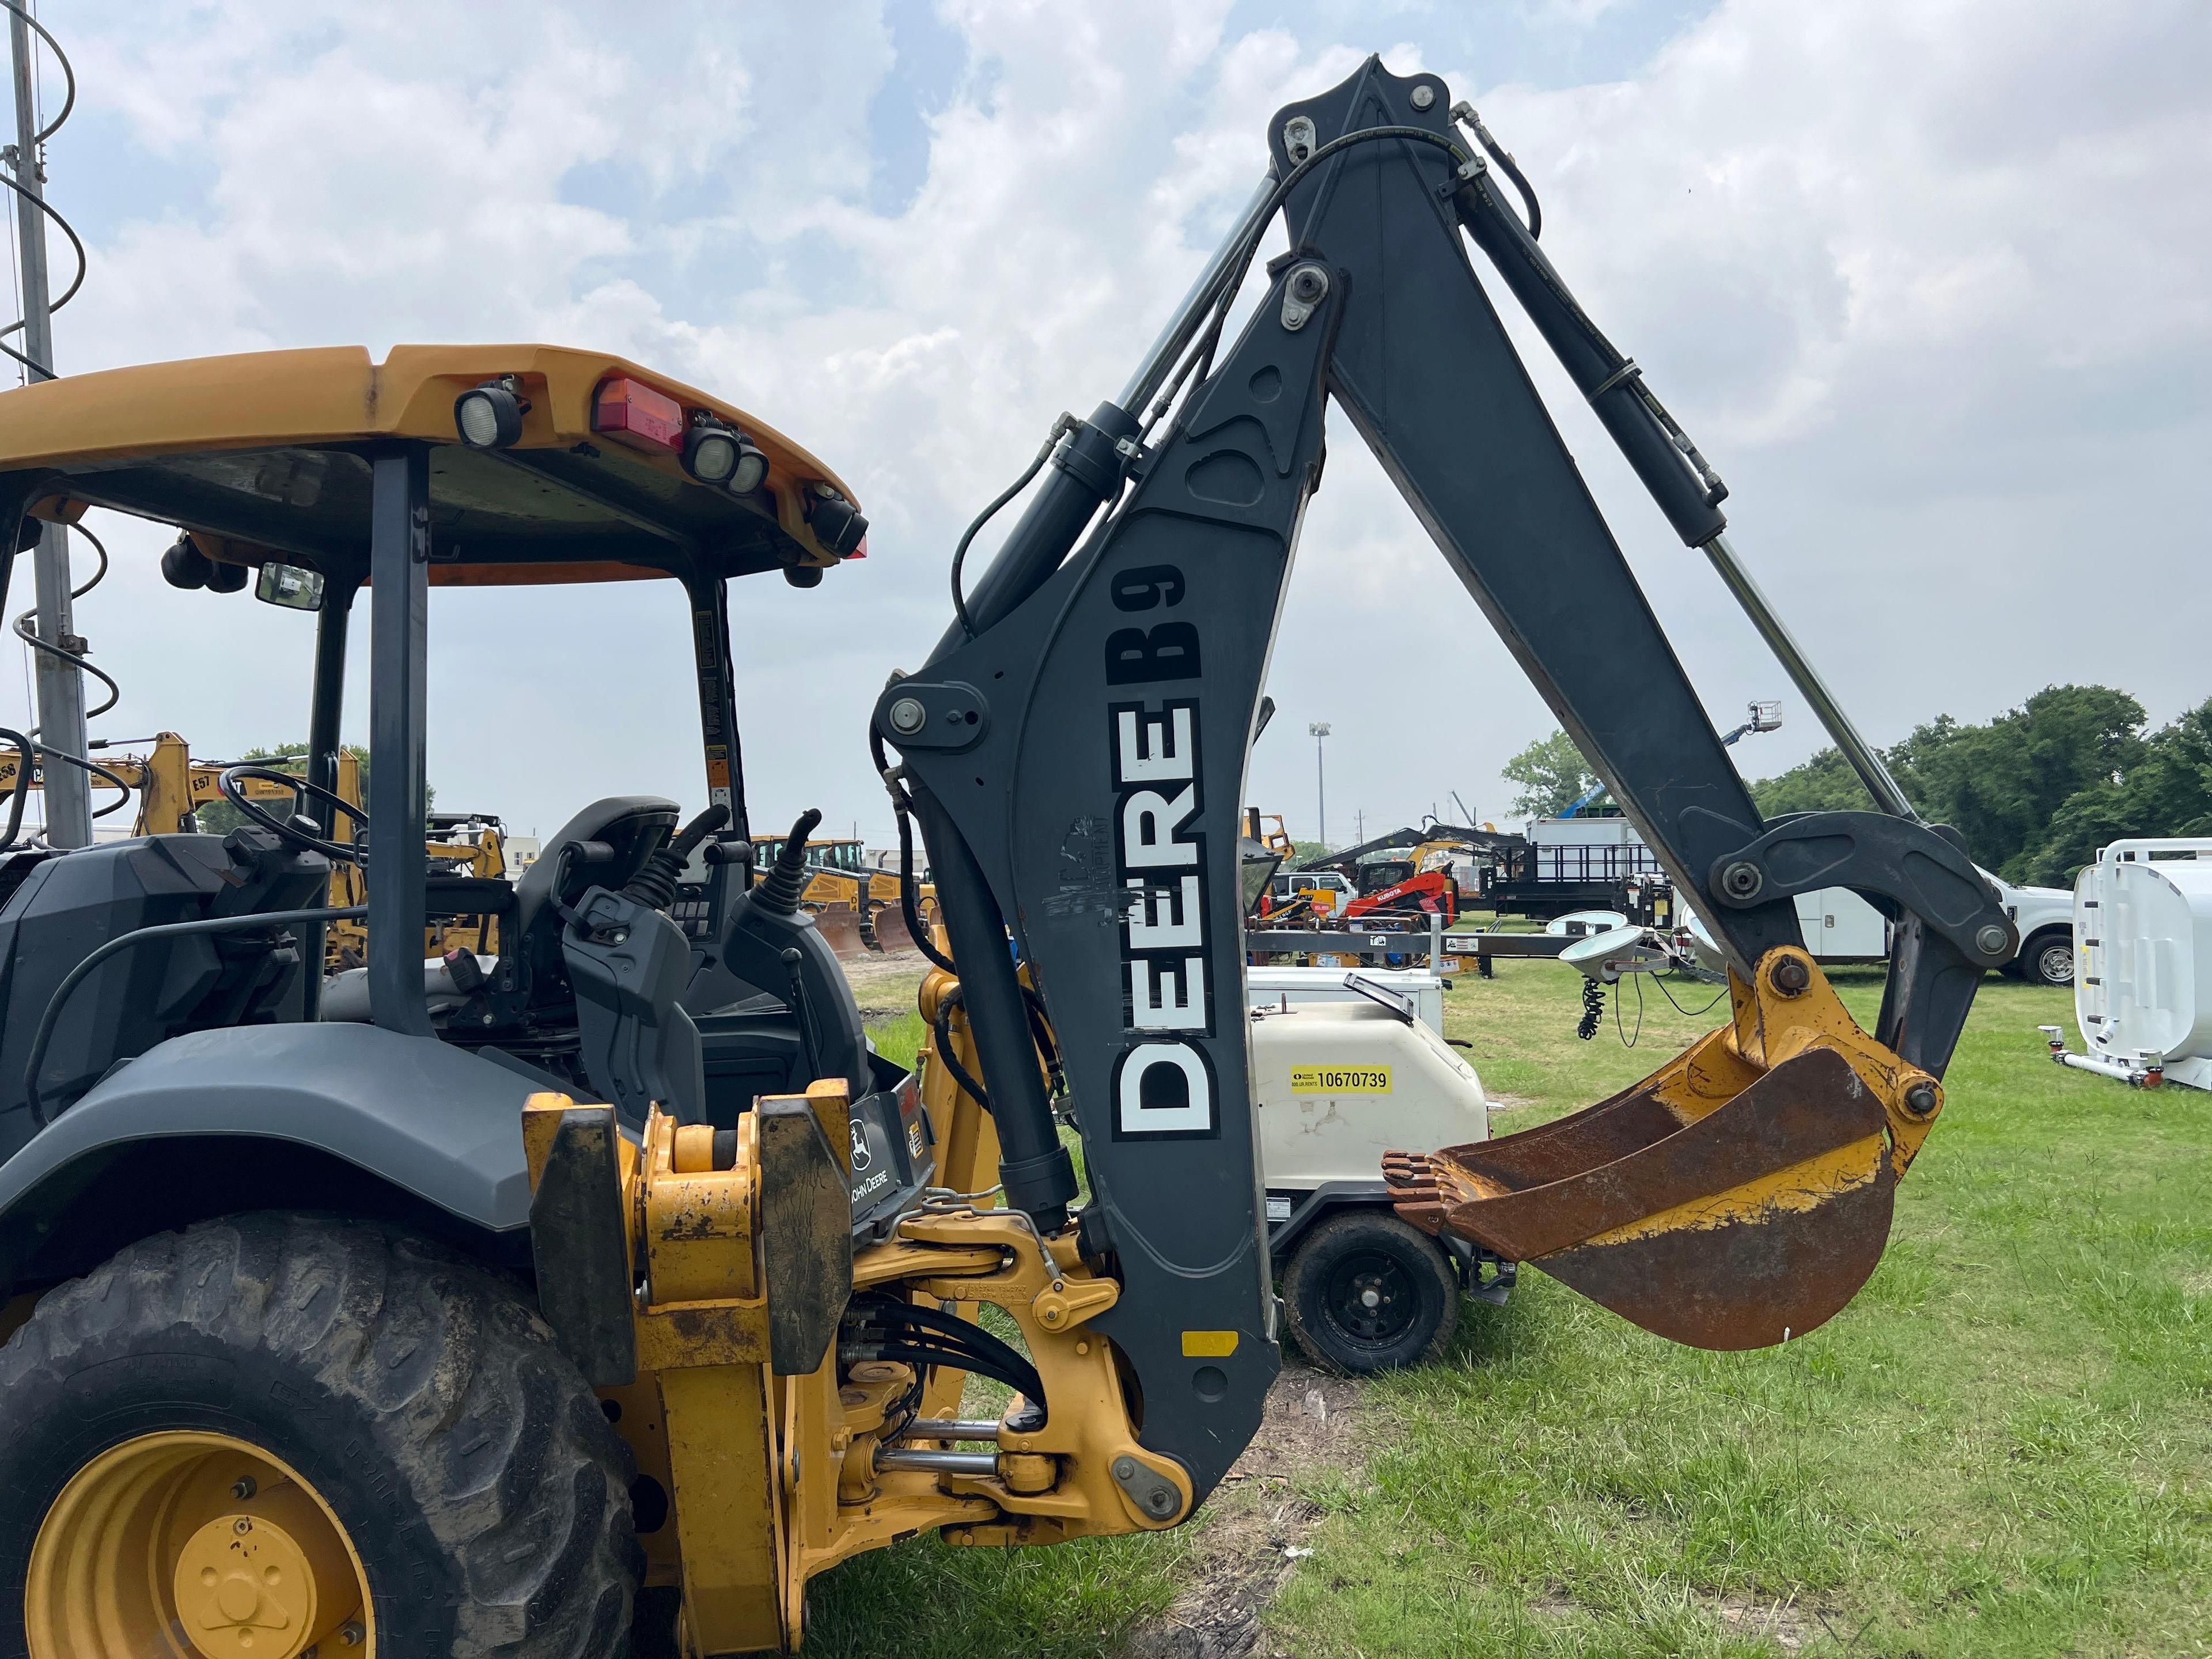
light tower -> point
(1319, 730)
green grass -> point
(2002, 1448)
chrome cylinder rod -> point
(951, 1428)
(1854, 748)
(892, 1458)
(1167, 350)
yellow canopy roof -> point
(266, 454)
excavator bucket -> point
(1734, 1198)
(841, 926)
(892, 930)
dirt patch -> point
(1787, 1625)
(885, 982)
(1508, 1103)
(1255, 1528)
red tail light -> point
(631, 412)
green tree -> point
(2037, 790)
(2167, 792)
(1552, 775)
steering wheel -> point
(338, 852)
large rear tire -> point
(1365, 1291)
(358, 1406)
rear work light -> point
(715, 453)
(838, 525)
(631, 412)
(490, 416)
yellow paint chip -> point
(1208, 1345)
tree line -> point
(2035, 792)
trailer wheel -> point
(1365, 1291)
(2048, 958)
(273, 1434)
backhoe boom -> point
(1077, 765)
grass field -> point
(2003, 1447)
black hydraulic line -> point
(26, 624)
(1061, 428)
(38, 142)
(1035, 1168)
(945, 1339)
(1463, 112)
(1087, 470)
(902, 809)
(942, 1026)
(248, 923)
(97, 771)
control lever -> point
(779, 895)
(801, 1009)
(654, 884)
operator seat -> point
(633, 825)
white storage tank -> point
(1285, 989)
(2142, 939)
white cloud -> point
(1927, 280)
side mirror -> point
(290, 587)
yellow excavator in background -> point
(171, 789)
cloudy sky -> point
(1930, 281)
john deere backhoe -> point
(285, 1388)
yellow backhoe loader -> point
(433, 1310)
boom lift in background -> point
(759, 1252)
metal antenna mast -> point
(61, 687)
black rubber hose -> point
(984, 1351)
(909, 904)
(781, 888)
(961, 1075)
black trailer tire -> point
(469, 1466)
(2047, 958)
(1365, 1292)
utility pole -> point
(1319, 730)
(60, 688)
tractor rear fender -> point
(348, 1118)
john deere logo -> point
(861, 1156)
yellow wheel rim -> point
(185, 1544)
